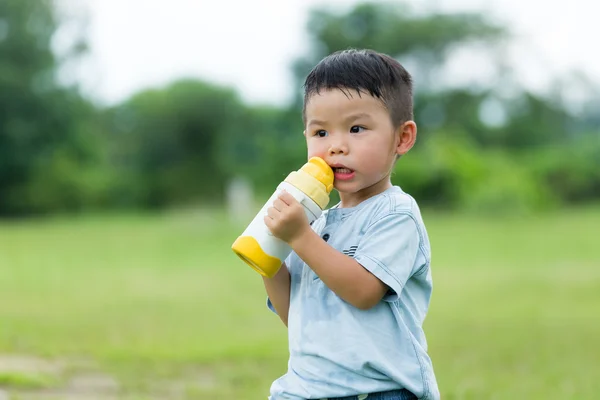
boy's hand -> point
(286, 218)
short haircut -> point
(364, 70)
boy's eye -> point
(356, 129)
(321, 133)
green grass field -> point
(158, 307)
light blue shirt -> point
(339, 350)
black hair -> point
(367, 71)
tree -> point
(396, 30)
(40, 121)
(170, 143)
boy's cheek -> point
(316, 151)
(313, 154)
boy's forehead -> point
(342, 100)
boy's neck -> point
(349, 200)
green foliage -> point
(170, 142)
(571, 169)
(41, 123)
(182, 143)
(534, 122)
(451, 172)
(394, 29)
(267, 147)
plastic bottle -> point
(310, 186)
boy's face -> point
(355, 136)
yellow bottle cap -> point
(321, 171)
(315, 178)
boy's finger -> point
(272, 212)
(268, 222)
(278, 204)
(287, 198)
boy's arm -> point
(278, 290)
(341, 273)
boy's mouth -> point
(342, 173)
(342, 170)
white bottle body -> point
(257, 229)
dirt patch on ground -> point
(24, 377)
(28, 364)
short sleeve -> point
(389, 250)
(270, 305)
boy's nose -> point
(338, 147)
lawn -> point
(158, 307)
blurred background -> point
(139, 138)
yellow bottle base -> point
(249, 250)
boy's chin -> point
(346, 187)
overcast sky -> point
(137, 44)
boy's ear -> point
(304, 133)
(406, 137)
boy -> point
(356, 288)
